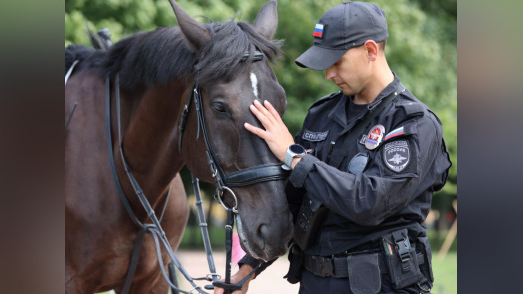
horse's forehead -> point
(248, 79)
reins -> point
(244, 177)
(155, 228)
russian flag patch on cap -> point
(318, 31)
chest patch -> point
(314, 136)
(396, 155)
(374, 137)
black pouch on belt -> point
(308, 223)
(296, 265)
(401, 259)
(426, 268)
(364, 273)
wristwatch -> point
(293, 151)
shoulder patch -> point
(324, 99)
(412, 108)
(396, 155)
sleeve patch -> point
(397, 155)
(394, 133)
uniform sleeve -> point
(257, 264)
(386, 186)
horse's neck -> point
(150, 135)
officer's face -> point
(351, 72)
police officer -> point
(364, 167)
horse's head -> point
(232, 59)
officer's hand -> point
(276, 133)
(245, 269)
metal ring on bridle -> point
(210, 275)
(235, 207)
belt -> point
(337, 267)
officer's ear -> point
(372, 50)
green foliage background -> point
(421, 48)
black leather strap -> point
(70, 115)
(133, 264)
(121, 194)
(256, 174)
(337, 267)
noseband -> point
(244, 177)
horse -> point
(148, 80)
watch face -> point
(298, 149)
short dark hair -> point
(381, 45)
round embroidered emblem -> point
(396, 155)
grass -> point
(445, 273)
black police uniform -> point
(382, 190)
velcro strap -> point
(337, 266)
(256, 174)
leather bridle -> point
(244, 177)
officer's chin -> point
(347, 92)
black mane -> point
(163, 55)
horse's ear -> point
(267, 20)
(193, 30)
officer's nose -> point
(330, 73)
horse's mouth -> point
(263, 252)
(243, 239)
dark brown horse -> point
(156, 72)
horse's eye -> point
(219, 107)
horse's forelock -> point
(220, 57)
(161, 56)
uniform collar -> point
(339, 115)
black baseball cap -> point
(341, 28)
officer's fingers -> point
(264, 111)
(257, 131)
(260, 116)
(273, 111)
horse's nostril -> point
(263, 232)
